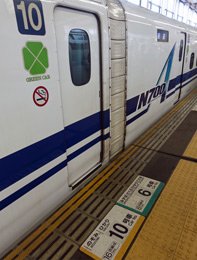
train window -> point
(181, 50)
(191, 61)
(79, 56)
(162, 35)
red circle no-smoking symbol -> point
(41, 96)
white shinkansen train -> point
(80, 80)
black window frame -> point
(80, 62)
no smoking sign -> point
(41, 96)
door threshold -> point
(75, 184)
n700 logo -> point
(147, 97)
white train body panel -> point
(56, 128)
(146, 60)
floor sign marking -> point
(141, 195)
(113, 235)
(41, 96)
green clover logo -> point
(35, 57)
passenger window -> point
(79, 56)
(181, 50)
(162, 35)
(191, 61)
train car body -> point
(80, 80)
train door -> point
(79, 68)
(181, 59)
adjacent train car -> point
(80, 80)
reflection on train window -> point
(181, 50)
(191, 61)
(79, 55)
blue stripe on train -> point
(138, 116)
(189, 74)
(172, 93)
(84, 128)
(21, 163)
(132, 105)
(133, 102)
(86, 147)
(176, 81)
(188, 82)
(30, 186)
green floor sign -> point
(35, 57)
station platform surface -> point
(142, 206)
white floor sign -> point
(141, 195)
(113, 235)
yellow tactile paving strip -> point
(170, 232)
(191, 150)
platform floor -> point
(170, 231)
(165, 229)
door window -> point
(79, 55)
(181, 50)
(191, 61)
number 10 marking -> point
(30, 17)
(120, 229)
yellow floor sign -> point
(113, 235)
